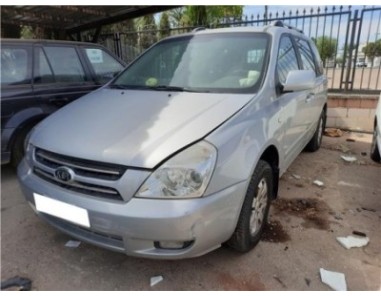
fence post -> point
(351, 47)
(117, 45)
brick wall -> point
(352, 112)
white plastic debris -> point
(72, 244)
(352, 241)
(348, 158)
(318, 183)
(155, 280)
(343, 183)
(297, 177)
(335, 280)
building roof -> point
(71, 18)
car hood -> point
(134, 127)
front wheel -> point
(255, 209)
(374, 149)
(314, 144)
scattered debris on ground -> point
(279, 281)
(368, 209)
(72, 244)
(343, 148)
(348, 158)
(335, 280)
(318, 183)
(22, 284)
(359, 233)
(352, 241)
(155, 280)
(308, 281)
(333, 132)
(343, 183)
(297, 177)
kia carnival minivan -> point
(183, 150)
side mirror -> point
(298, 80)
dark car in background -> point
(40, 76)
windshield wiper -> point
(118, 86)
(156, 87)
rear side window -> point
(287, 59)
(14, 66)
(306, 55)
(65, 63)
(104, 65)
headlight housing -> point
(185, 175)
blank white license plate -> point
(61, 210)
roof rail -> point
(279, 23)
(198, 29)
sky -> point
(371, 26)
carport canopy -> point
(70, 20)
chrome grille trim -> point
(76, 184)
(89, 177)
(61, 162)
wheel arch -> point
(271, 156)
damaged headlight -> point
(185, 175)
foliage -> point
(164, 25)
(326, 47)
(147, 23)
(372, 49)
(27, 32)
(204, 15)
(175, 16)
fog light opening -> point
(172, 245)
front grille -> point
(98, 171)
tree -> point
(197, 15)
(217, 14)
(164, 25)
(204, 15)
(372, 50)
(326, 47)
(175, 16)
(147, 25)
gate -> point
(340, 33)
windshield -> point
(222, 62)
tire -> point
(18, 148)
(374, 149)
(315, 143)
(255, 209)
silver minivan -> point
(182, 151)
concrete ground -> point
(300, 239)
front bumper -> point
(134, 226)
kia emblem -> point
(64, 174)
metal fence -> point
(340, 33)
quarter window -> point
(66, 64)
(287, 59)
(306, 55)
